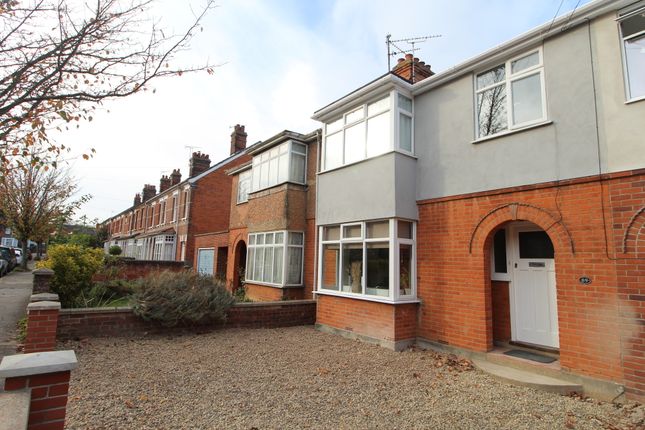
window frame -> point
(252, 244)
(257, 161)
(393, 240)
(508, 80)
(622, 16)
(249, 174)
(500, 276)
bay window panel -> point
(295, 239)
(294, 265)
(635, 62)
(258, 264)
(250, 263)
(331, 233)
(330, 266)
(279, 237)
(405, 132)
(527, 99)
(493, 76)
(405, 229)
(491, 111)
(264, 175)
(524, 63)
(268, 265)
(283, 168)
(334, 126)
(405, 269)
(334, 150)
(378, 106)
(378, 269)
(268, 238)
(378, 134)
(354, 143)
(355, 115)
(273, 171)
(298, 168)
(277, 264)
(405, 103)
(352, 268)
(352, 231)
(379, 229)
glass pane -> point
(273, 171)
(330, 265)
(405, 132)
(264, 156)
(277, 263)
(527, 99)
(352, 270)
(378, 269)
(268, 238)
(355, 143)
(493, 76)
(251, 239)
(635, 59)
(258, 261)
(632, 25)
(259, 238)
(298, 148)
(378, 229)
(535, 244)
(355, 115)
(378, 135)
(378, 106)
(264, 175)
(331, 233)
(525, 62)
(298, 168)
(405, 270)
(268, 265)
(294, 268)
(499, 251)
(283, 168)
(334, 150)
(405, 103)
(405, 230)
(284, 148)
(352, 231)
(295, 238)
(256, 178)
(334, 126)
(491, 111)
(279, 238)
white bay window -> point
(275, 258)
(373, 259)
(369, 130)
(632, 29)
(283, 163)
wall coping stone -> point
(116, 309)
(43, 271)
(275, 303)
(37, 363)
(125, 309)
(44, 297)
(42, 306)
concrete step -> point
(14, 409)
(527, 378)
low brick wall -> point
(118, 322)
(137, 269)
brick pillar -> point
(46, 375)
(42, 321)
(42, 280)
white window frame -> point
(623, 15)
(394, 242)
(257, 161)
(500, 276)
(245, 176)
(175, 206)
(509, 78)
(162, 212)
(252, 244)
(394, 111)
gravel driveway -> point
(301, 378)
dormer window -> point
(369, 130)
(283, 163)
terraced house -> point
(499, 202)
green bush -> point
(181, 298)
(115, 250)
(73, 267)
(103, 294)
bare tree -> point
(34, 200)
(58, 61)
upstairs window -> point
(369, 130)
(243, 186)
(282, 163)
(510, 95)
(632, 28)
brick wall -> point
(217, 241)
(99, 322)
(600, 324)
(266, 293)
(501, 304)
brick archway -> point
(634, 235)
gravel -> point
(301, 378)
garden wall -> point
(99, 322)
(137, 269)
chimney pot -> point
(400, 60)
(175, 177)
(137, 199)
(408, 56)
(199, 163)
(411, 69)
(164, 183)
(238, 139)
(149, 191)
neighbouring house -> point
(162, 226)
(501, 201)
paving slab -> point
(14, 410)
(15, 291)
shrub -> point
(181, 298)
(73, 267)
(115, 250)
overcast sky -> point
(281, 61)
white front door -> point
(533, 292)
(205, 259)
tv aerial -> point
(394, 49)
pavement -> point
(15, 290)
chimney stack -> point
(164, 183)
(199, 163)
(137, 199)
(238, 139)
(175, 177)
(149, 191)
(411, 69)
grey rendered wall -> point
(449, 163)
(381, 187)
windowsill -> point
(301, 184)
(242, 203)
(509, 132)
(265, 284)
(398, 151)
(635, 100)
(377, 299)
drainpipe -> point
(318, 156)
